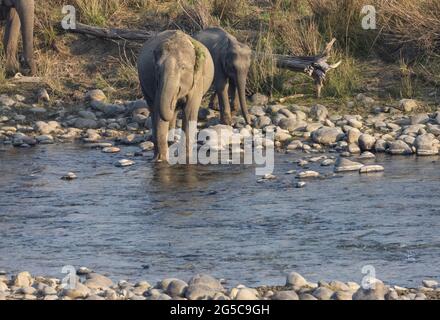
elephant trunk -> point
(168, 91)
(241, 88)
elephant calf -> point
(232, 61)
(174, 70)
(19, 15)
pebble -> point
(296, 281)
(111, 150)
(346, 165)
(300, 184)
(371, 169)
(69, 176)
(124, 163)
(285, 295)
(430, 284)
(308, 174)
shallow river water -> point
(149, 222)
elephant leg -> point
(223, 99)
(235, 102)
(10, 42)
(190, 126)
(26, 12)
(173, 125)
(213, 102)
(161, 139)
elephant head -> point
(178, 68)
(237, 63)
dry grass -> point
(408, 30)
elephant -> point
(232, 61)
(19, 15)
(175, 71)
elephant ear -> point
(200, 57)
(228, 58)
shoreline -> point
(89, 285)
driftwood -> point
(314, 66)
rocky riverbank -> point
(89, 285)
(403, 129)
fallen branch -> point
(314, 66)
(113, 34)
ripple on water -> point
(151, 222)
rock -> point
(282, 136)
(95, 297)
(300, 184)
(342, 296)
(327, 135)
(296, 281)
(376, 292)
(124, 163)
(111, 110)
(323, 293)
(353, 148)
(111, 150)
(313, 126)
(291, 124)
(6, 101)
(46, 128)
(365, 100)
(353, 135)
(147, 146)
(355, 123)
(318, 112)
(95, 95)
(422, 118)
(308, 174)
(3, 287)
(45, 139)
(346, 165)
(23, 279)
(381, 145)
(82, 123)
(367, 155)
(392, 295)
(207, 280)
(176, 288)
(199, 292)
(43, 95)
(220, 136)
(69, 176)
(307, 297)
(371, 169)
(48, 291)
(366, 142)
(425, 145)
(132, 139)
(408, 105)
(80, 291)
(427, 284)
(262, 122)
(285, 295)
(259, 99)
(246, 294)
(257, 111)
(327, 162)
(97, 281)
(87, 115)
(399, 147)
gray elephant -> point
(232, 61)
(19, 15)
(174, 71)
